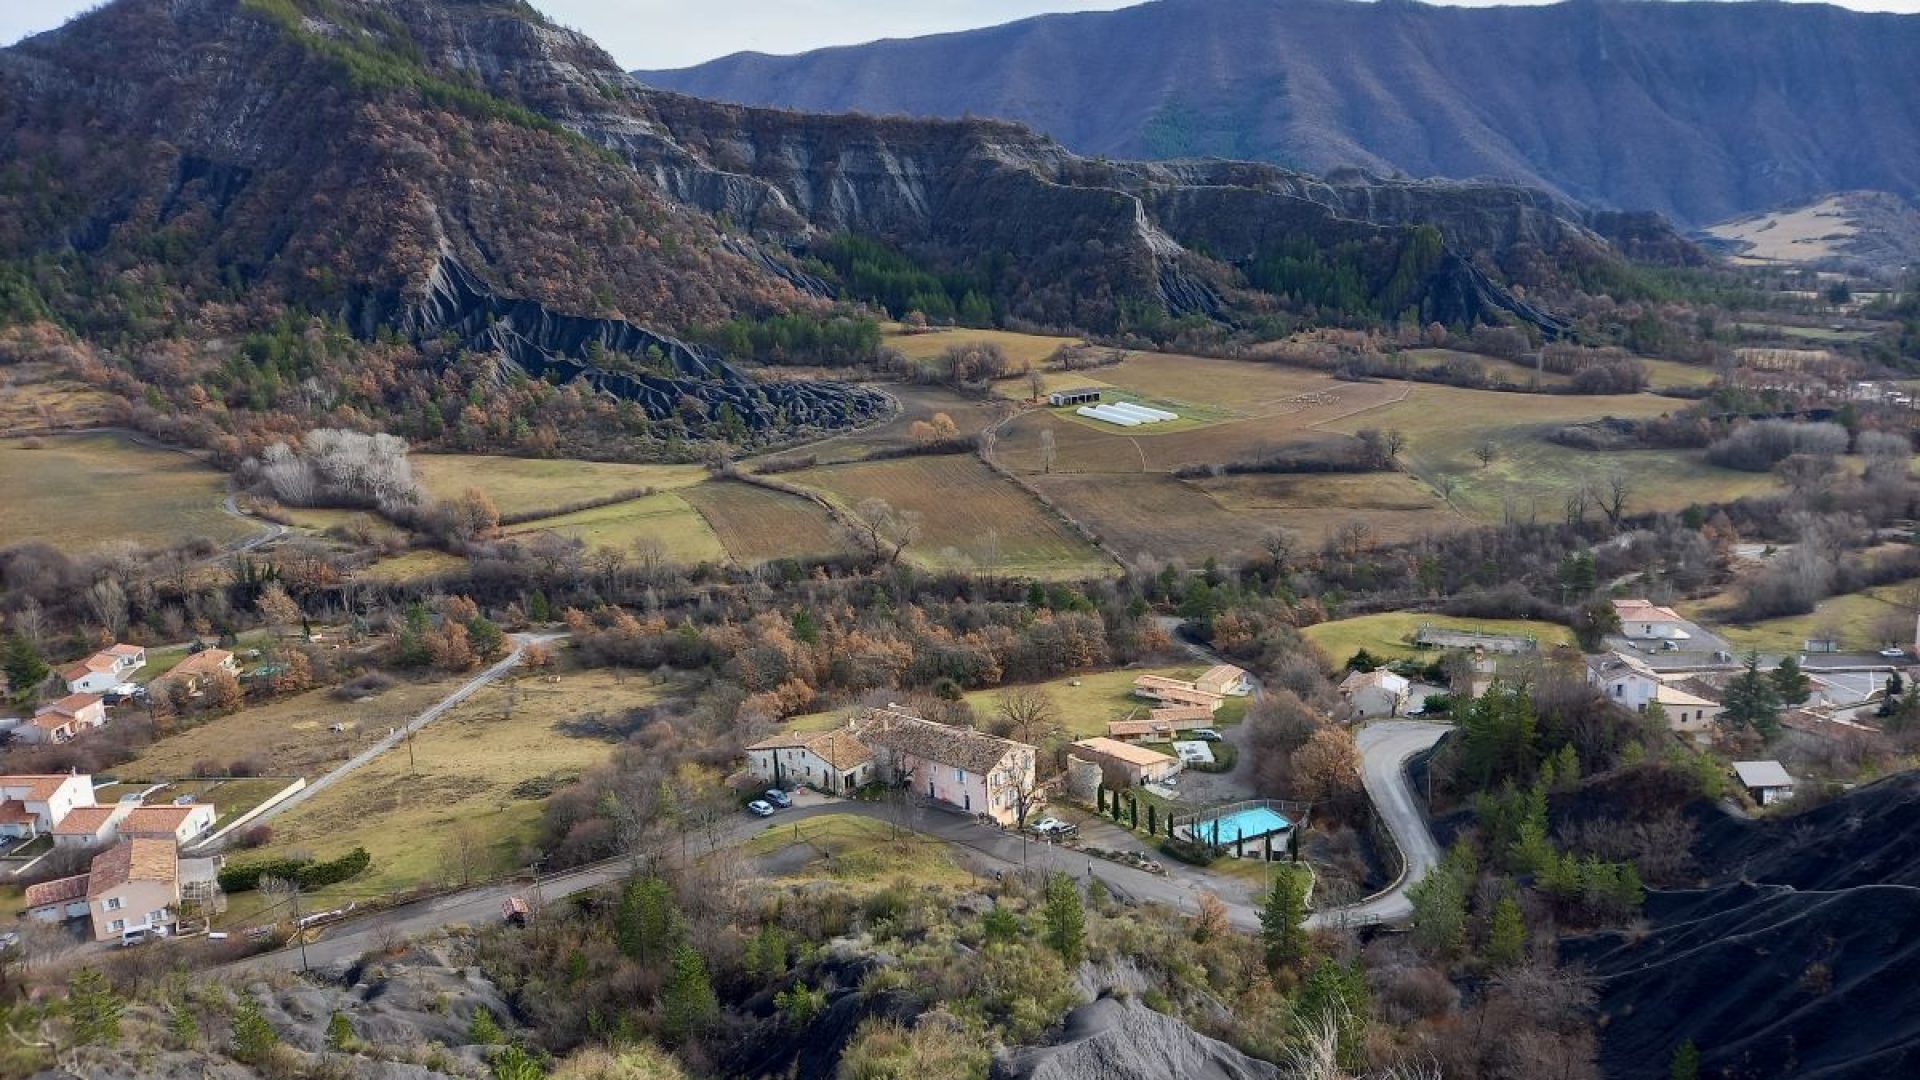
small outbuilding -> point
(1078, 396)
(1766, 781)
(1124, 764)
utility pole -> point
(299, 932)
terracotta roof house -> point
(33, 805)
(1124, 764)
(58, 721)
(1647, 620)
(1225, 679)
(88, 826)
(834, 761)
(133, 889)
(963, 768)
(1175, 692)
(104, 670)
(176, 824)
(58, 900)
(1182, 717)
(196, 669)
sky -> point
(674, 33)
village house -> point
(966, 769)
(1644, 620)
(58, 900)
(90, 826)
(134, 888)
(181, 824)
(1766, 781)
(104, 670)
(1176, 692)
(1689, 701)
(59, 721)
(836, 761)
(1225, 680)
(1125, 765)
(1376, 693)
(195, 670)
(33, 806)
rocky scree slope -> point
(1794, 959)
(1697, 111)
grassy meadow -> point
(81, 491)
(1390, 635)
(475, 793)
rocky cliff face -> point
(463, 167)
(1697, 111)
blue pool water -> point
(1250, 824)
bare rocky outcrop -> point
(1111, 1039)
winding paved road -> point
(1385, 749)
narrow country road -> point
(1385, 748)
(439, 709)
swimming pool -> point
(1250, 824)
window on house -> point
(157, 917)
(116, 926)
(959, 776)
(112, 903)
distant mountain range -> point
(1702, 111)
(464, 170)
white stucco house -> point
(1645, 620)
(1376, 693)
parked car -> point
(1893, 652)
(1206, 734)
(1054, 827)
(760, 808)
(779, 798)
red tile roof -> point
(134, 860)
(84, 821)
(14, 812)
(71, 705)
(39, 786)
(156, 820)
(58, 891)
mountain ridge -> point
(1697, 114)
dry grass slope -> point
(80, 491)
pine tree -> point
(1506, 934)
(687, 1001)
(648, 923)
(1338, 993)
(539, 609)
(486, 638)
(1791, 683)
(93, 1008)
(1686, 1062)
(1066, 920)
(514, 1063)
(340, 1035)
(253, 1037)
(482, 1030)
(25, 668)
(1283, 925)
(182, 1025)
(1752, 701)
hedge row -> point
(307, 873)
